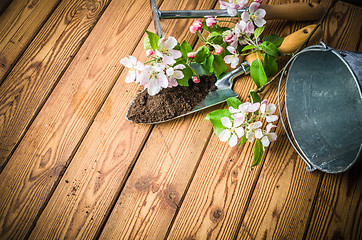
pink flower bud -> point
(149, 52)
(210, 22)
(195, 79)
(198, 23)
(193, 29)
(191, 55)
(228, 36)
(258, 1)
(218, 50)
(196, 26)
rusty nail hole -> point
(310, 4)
(305, 31)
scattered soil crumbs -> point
(170, 102)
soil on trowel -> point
(170, 102)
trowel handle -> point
(293, 41)
(294, 11)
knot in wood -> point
(217, 215)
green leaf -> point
(258, 31)
(270, 65)
(215, 116)
(185, 48)
(257, 73)
(218, 130)
(248, 47)
(209, 62)
(146, 43)
(218, 65)
(205, 27)
(219, 29)
(218, 40)
(258, 153)
(233, 102)
(273, 38)
(254, 97)
(243, 139)
(201, 54)
(153, 39)
(269, 48)
(188, 73)
(213, 34)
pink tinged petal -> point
(131, 76)
(226, 122)
(174, 53)
(228, 59)
(249, 28)
(191, 55)
(238, 121)
(253, 7)
(126, 62)
(259, 22)
(231, 50)
(254, 107)
(250, 136)
(271, 118)
(168, 60)
(239, 131)
(270, 108)
(162, 80)
(255, 125)
(260, 13)
(265, 141)
(170, 71)
(233, 140)
(225, 135)
(233, 110)
(238, 115)
(245, 16)
(272, 137)
(172, 82)
(265, 101)
(153, 87)
(244, 107)
(232, 12)
(179, 66)
(269, 127)
(178, 75)
(258, 134)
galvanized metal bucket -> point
(323, 102)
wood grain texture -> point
(18, 25)
(338, 210)
(3, 5)
(36, 73)
(282, 201)
(33, 170)
(99, 168)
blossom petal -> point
(262, 108)
(228, 59)
(226, 122)
(269, 127)
(258, 133)
(170, 71)
(233, 110)
(250, 136)
(233, 140)
(260, 13)
(271, 118)
(265, 141)
(126, 62)
(234, 62)
(253, 7)
(131, 76)
(231, 49)
(174, 53)
(245, 17)
(232, 12)
(178, 75)
(270, 108)
(153, 87)
(170, 43)
(179, 66)
(159, 54)
(272, 137)
(238, 121)
(168, 60)
(259, 22)
(239, 131)
(254, 107)
(162, 80)
(238, 115)
(225, 135)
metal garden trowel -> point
(295, 11)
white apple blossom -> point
(268, 136)
(267, 110)
(232, 6)
(154, 78)
(173, 74)
(232, 132)
(255, 14)
(232, 59)
(244, 109)
(166, 52)
(134, 67)
(254, 131)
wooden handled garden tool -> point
(289, 11)
(224, 85)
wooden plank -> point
(109, 150)
(282, 201)
(60, 126)
(338, 209)
(35, 75)
(218, 194)
(18, 25)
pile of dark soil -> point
(170, 102)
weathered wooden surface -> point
(72, 167)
